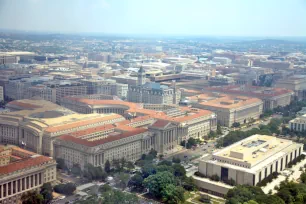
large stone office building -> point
(229, 109)
(37, 123)
(153, 93)
(271, 97)
(22, 171)
(248, 162)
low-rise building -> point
(248, 161)
(229, 109)
(296, 83)
(298, 124)
(22, 171)
(271, 97)
(37, 123)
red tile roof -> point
(104, 140)
(160, 124)
(93, 130)
(23, 164)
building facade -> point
(22, 171)
(37, 123)
(231, 109)
(1, 93)
(271, 97)
(249, 161)
(298, 124)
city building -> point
(222, 60)
(6, 59)
(298, 124)
(152, 92)
(275, 65)
(1, 93)
(22, 171)
(229, 109)
(37, 123)
(192, 122)
(67, 88)
(221, 81)
(297, 83)
(42, 91)
(247, 162)
(106, 87)
(271, 97)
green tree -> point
(46, 191)
(116, 164)
(105, 188)
(153, 152)
(211, 134)
(176, 160)
(122, 179)
(219, 130)
(76, 169)
(123, 163)
(130, 165)
(136, 182)
(107, 166)
(172, 194)
(32, 197)
(148, 169)
(60, 163)
(303, 177)
(241, 194)
(66, 189)
(157, 182)
(236, 124)
(161, 168)
(179, 170)
(165, 162)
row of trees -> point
(66, 189)
(235, 136)
(166, 181)
(289, 192)
(43, 197)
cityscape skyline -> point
(197, 18)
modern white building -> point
(249, 161)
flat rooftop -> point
(254, 150)
(226, 101)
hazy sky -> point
(178, 17)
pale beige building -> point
(22, 171)
(296, 83)
(37, 123)
(249, 161)
(229, 109)
(272, 97)
(298, 124)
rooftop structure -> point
(22, 171)
(41, 122)
(251, 160)
(272, 97)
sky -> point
(160, 17)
